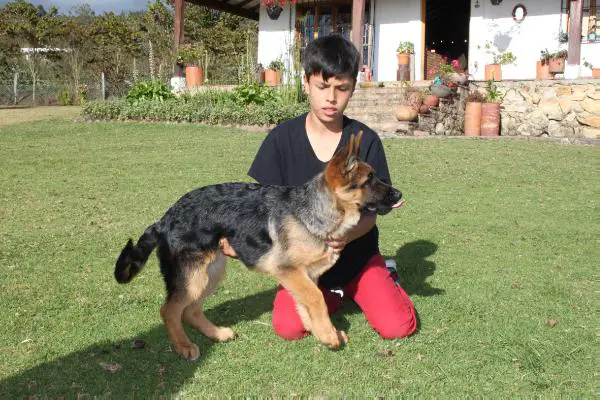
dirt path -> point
(10, 116)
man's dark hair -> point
(331, 55)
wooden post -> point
(358, 23)
(178, 31)
(575, 16)
(15, 86)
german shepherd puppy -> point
(278, 230)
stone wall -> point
(558, 108)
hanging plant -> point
(275, 7)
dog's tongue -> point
(399, 204)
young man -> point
(297, 150)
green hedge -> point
(194, 110)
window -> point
(590, 28)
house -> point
(468, 30)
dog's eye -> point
(353, 186)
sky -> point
(99, 6)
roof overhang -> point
(243, 8)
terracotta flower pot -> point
(542, 71)
(431, 101)
(406, 113)
(557, 65)
(193, 76)
(490, 119)
(493, 72)
(272, 77)
(424, 109)
(403, 58)
(473, 119)
(595, 72)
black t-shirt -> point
(286, 158)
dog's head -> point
(354, 183)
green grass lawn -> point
(498, 237)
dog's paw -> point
(189, 351)
(225, 334)
(335, 339)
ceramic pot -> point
(431, 101)
(459, 79)
(440, 91)
(557, 65)
(490, 119)
(595, 72)
(493, 72)
(424, 109)
(271, 77)
(403, 58)
(274, 11)
(406, 113)
(473, 119)
(542, 71)
(193, 76)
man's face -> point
(328, 98)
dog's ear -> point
(346, 160)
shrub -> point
(65, 98)
(254, 94)
(149, 90)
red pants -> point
(386, 305)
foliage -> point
(149, 90)
(406, 48)
(587, 64)
(445, 70)
(190, 54)
(65, 98)
(217, 107)
(545, 56)
(493, 94)
(276, 65)
(476, 97)
(502, 57)
(254, 94)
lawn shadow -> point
(151, 372)
(414, 268)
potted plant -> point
(405, 49)
(273, 73)
(557, 61)
(190, 56)
(490, 111)
(499, 58)
(543, 66)
(473, 114)
(275, 7)
(595, 71)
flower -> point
(273, 3)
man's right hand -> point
(226, 248)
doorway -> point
(446, 33)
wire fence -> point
(19, 91)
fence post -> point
(103, 87)
(15, 85)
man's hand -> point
(226, 248)
(337, 245)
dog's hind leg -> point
(194, 314)
(186, 283)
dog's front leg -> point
(308, 295)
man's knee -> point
(397, 328)
(288, 330)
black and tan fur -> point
(278, 230)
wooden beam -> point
(575, 17)
(358, 23)
(178, 31)
(218, 5)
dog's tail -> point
(133, 258)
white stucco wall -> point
(591, 53)
(526, 40)
(396, 21)
(275, 37)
